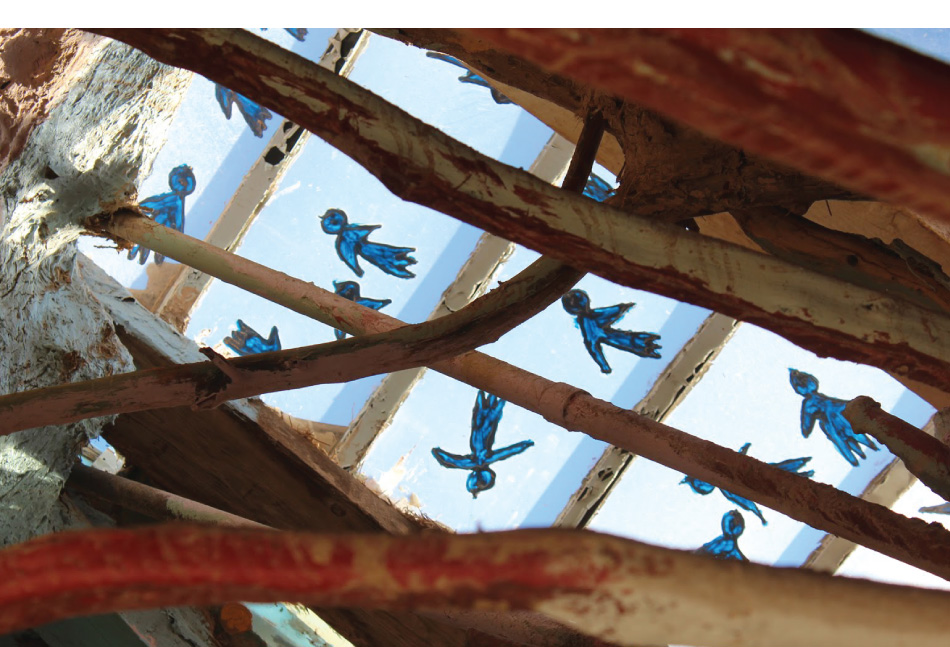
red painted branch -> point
(925, 457)
(619, 590)
(838, 104)
(419, 163)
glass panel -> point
(289, 235)
(747, 397)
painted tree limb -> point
(670, 172)
(893, 269)
(615, 589)
(926, 457)
(839, 104)
(818, 505)
(207, 384)
(419, 163)
(149, 501)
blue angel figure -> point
(167, 208)
(793, 465)
(247, 341)
(595, 328)
(726, 545)
(471, 77)
(828, 412)
(254, 114)
(351, 290)
(485, 417)
(351, 241)
(597, 188)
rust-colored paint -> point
(838, 104)
(611, 588)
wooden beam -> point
(611, 588)
(839, 104)
(422, 164)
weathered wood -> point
(924, 456)
(669, 171)
(110, 121)
(612, 588)
(893, 270)
(839, 104)
(419, 163)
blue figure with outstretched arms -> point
(351, 290)
(726, 545)
(828, 412)
(595, 328)
(597, 188)
(793, 465)
(167, 208)
(485, 417)
(247, 341)
(254, 114)
(471, 77)
(352, 241)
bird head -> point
(733, 524)
(333, 221)
(347, 289)
(480, 480)
(181, 179)
(803, 383)
(576, 302)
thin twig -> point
(419, 163)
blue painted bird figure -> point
(793, 465)
(726, 545)
(471, 77)
(167, 208)
(351, 242)
(247, 341)
(351, 290)
(485, 418)
(254, 114)
(828, 412)
(595, 328)
(597, 188)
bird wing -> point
(610, 314)
(453, 460)
(486, 414)
(346, 246)
(510, 450)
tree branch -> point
(818, 505)
(207, 384)
(419, 163)
(892, 269)
(670, 172)
(618, 590)
(840, 104)
(924, 456)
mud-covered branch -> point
(419, 163)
